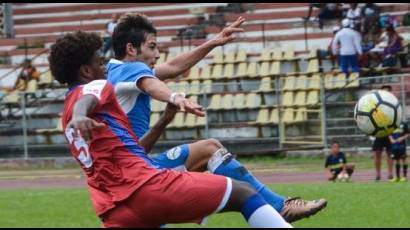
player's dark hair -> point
(131, 28)
(336, 142)
(387, 87)
(70, 52)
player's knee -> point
(241, 192)
(212, 145)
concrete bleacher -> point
(240, 84)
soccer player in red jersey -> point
(126, 189)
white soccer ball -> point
(378, 113)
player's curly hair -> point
(131, 28)
(70, 52)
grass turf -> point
(349, 205)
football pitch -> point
(353, 204)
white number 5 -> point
(79, 143)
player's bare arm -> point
(160, 91)
(183, 62)
(80, 121)
(149, 139)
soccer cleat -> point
(403, 179)
(394, 179)
(377, 179)
(296, 208)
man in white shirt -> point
(350, 47)
(108, 32)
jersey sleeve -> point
(100, 89)
(135, 71)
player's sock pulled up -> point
(260, 214)
(223, 163)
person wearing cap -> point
(349, 41)
(328, 52)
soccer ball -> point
(343, 177)
(378, 113)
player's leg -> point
(196, 157)
(350, 169)
(257, 212)
(185, 197)
(211, 154)
(397, 165)
(404, 163)
(219, 161)
(377, 163)
(389, 163)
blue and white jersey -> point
(135, 103)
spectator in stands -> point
(336, 164)
(109, 30)
(328, 51)
(354, 14)
(350, 47)
(28, 72)
(311, 6)
(327, 11)
(370, 13)
(378, 145)
(393, 46)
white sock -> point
(267, 217)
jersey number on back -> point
(81, 146)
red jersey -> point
(114, 163)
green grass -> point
(350, 205)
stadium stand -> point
(251, 87)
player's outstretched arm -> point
(80, 121)
(159, 90)
(149, 139)
(185, 61)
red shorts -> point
(171, 197)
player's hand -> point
(169, 112)
(85, 125)
(189, 106)
(226, 35)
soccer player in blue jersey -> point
(136, 81)
(399, 151)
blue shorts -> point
(346, 61)
(173, 159)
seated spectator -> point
(336, 164)
(328, 51)
(393, 46)
(370, 13)
(388, 19)
(354, 15)
(350, 47)
(367, 45)
(329, 11)
(109, 30)
(29, 72)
